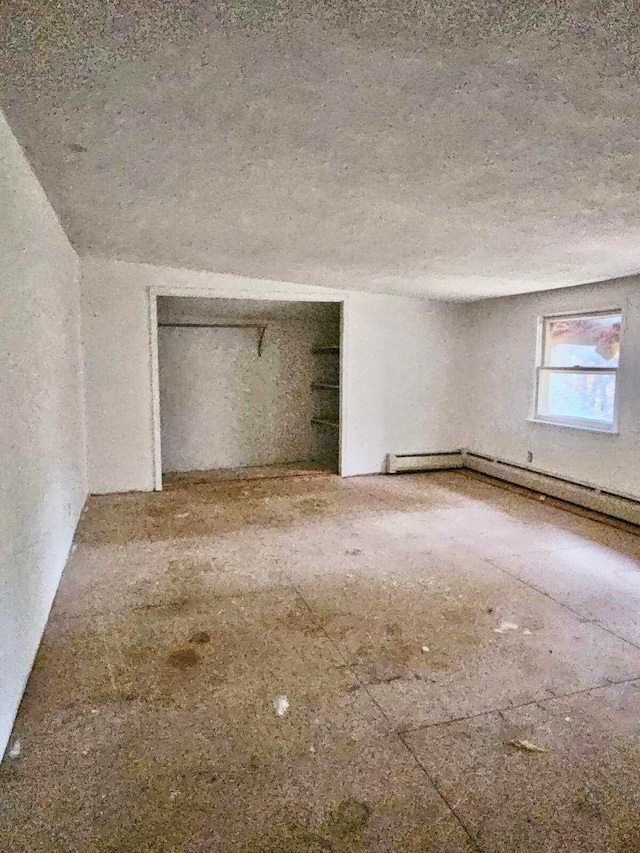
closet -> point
(248, 384)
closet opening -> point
(247, 388)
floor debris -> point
(281, 705)
(527, 746)
(200, 638)
(503, 627)
(15, 749)
(249, 782)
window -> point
(577, 370)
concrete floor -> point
(381, 608)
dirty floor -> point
(461, 667)
(179, 479)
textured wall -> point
(403, 375)
(224, 406)
(43, 484)
(502, 349)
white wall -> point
(406, 378)
(223, 406)
(420, 376)
(502, 361)
(43, 483)
(402, 377)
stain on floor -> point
(377, 607)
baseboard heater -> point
(398, 463)
(615, 504)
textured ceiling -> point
(451, 149)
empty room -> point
(320, 430)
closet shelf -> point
(321, 422)
(261, 327)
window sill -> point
(579, 427)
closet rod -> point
(260, 326)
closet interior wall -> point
(240, 383)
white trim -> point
(567, 421)
(154, 291)
(597, 312)
(582, 425)
(212, 292)
(156, 436)
(616, 504)
(342, 410)
(405, 462)
(588, 495)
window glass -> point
(582, 342)
(577, 373)
(581, 395)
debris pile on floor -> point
(503, 627)
(15, 749)
(527, 746)
(281, 705)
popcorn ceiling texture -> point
(456, 150)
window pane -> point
(582, 341)
(577, 395)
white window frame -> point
(587, 424)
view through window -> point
(577, 372)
